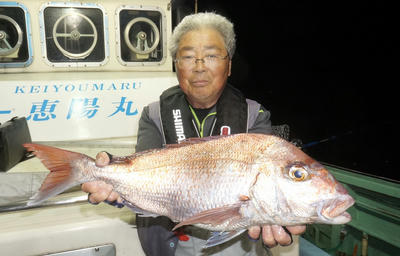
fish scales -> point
(185, 176)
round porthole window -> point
(75, 35)
(141, 35)
(10, 36)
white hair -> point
(204, 20)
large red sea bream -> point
(222, 184)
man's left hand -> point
(273, 235)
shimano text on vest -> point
(178, 125)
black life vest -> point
(177, 118)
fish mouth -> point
(334, 211)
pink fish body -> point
(225, 184)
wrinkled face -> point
(204, 81)
(303, 190)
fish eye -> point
(298, 173)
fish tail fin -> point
(63, 173)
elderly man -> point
(203, 104)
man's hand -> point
(273, 235)
(100, 191)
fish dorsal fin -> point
(192, 141)
(214, 216)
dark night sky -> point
(326, 69)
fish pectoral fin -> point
(221, 237)
(214, 216)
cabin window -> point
(140, 35)
(73, 34)
(15, 36)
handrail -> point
(122, 142)
(62, 199)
